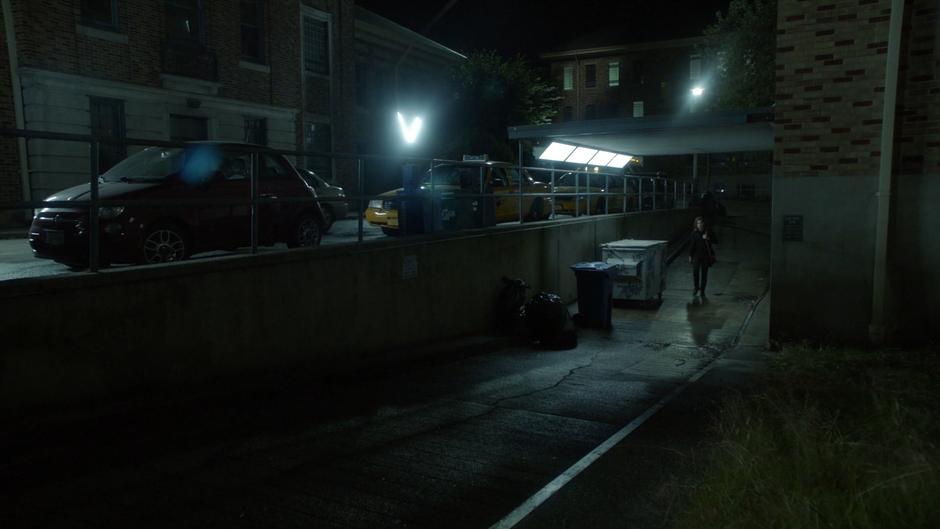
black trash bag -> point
(510, 306)
(548, 322)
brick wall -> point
(918, 119)
(11, 188)
(830, 76)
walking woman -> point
(701, 254)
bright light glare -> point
(581, 155)
(602, 158)
(556, 152)
(409, 132)
(620, 161)
(698, 91)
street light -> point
(409, 132)
(697, 91)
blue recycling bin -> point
(595, 292)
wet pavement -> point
(461, 441)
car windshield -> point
(152, 164)
(453, 175)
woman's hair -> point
(695, 222)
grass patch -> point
(831, 438)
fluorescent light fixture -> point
(581, 155)
(409, 132)
(556, 152)
(620, 161)
(697, 91)
(602, 158)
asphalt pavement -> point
(465, 440)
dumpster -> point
(639, 268)
(594, 293)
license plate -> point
(54, 237)
(393, 222)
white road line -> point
(547, 491)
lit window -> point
(613, 73)
(184, 19)
(638, 109)
(569, 78)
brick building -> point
(831, 121)
(629, 80)
(268, 71)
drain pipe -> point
(876, 329)
(10, 29)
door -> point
(226, 222)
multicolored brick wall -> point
(831, 60)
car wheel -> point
(305, 233)
(328, 217)
(164, 243)
(536, 211)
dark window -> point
(317, 138)
(188, 128)
(106, 118)
(274, 168)
(567, 114)
(184, 21)
(316, 46)
(256, 131)
(101, 13)
(363, 95)
(590, 112)
(252, 16)
(590, 75)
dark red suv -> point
(194, 194)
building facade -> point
(631, 80)
(831, 133)
(275, 72)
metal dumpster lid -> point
(632, 243)
(598, 266)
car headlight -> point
(375, 204)
(110, 212)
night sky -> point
(534, 27)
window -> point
(252, 22)
(590, 75)
(256, 131)
(567, 114)
(363, 95)
(106, 118)
(101, 13)
(695, 67)
(590, 112)
(316, 45)
(317, 137)
(569, 78)
(184, 21)
(188, 128)
(274, 169)
(638, 109)
(613, 73)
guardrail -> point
(632, 192)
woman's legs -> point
(700, 275)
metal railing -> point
(633, 193)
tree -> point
(491, 94)
(741, 47)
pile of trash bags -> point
(544, 319)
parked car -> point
(194, 193)
(499, 178)
(595, 184)
(333, 203)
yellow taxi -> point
(501, 179)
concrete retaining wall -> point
(81, 337)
